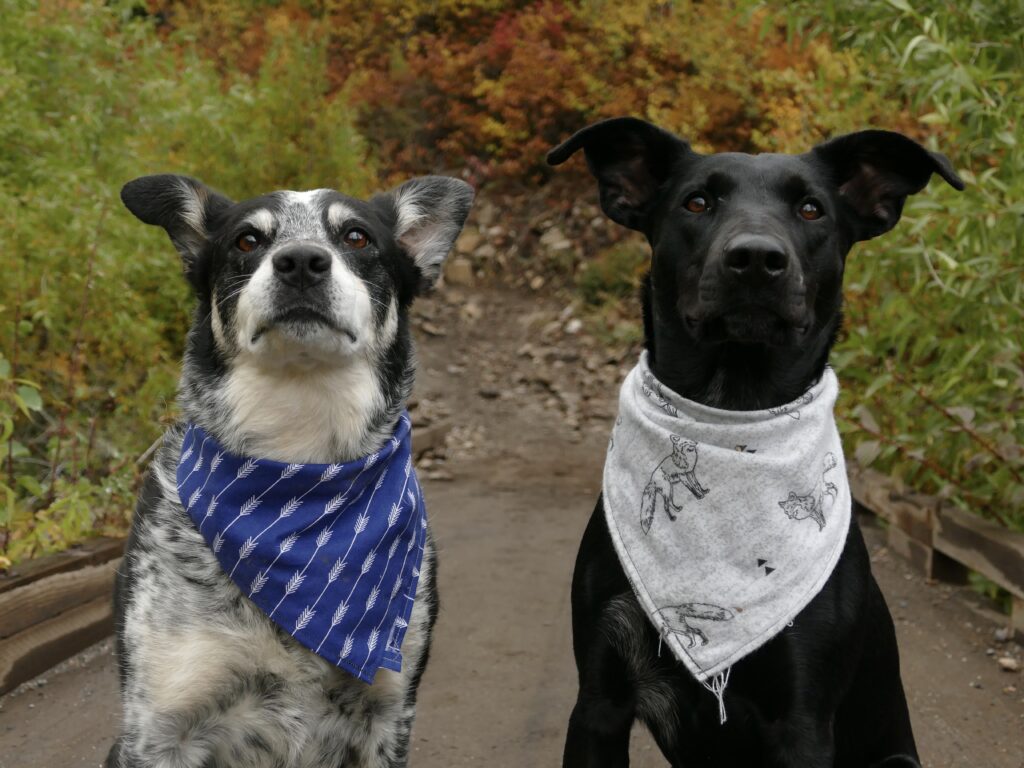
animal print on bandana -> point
(727, 523)
(815, 504)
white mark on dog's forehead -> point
(299, 215)
(262, 219)
(307, 198)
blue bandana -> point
(330, 552)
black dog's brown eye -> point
(357, 238)
(810, 210)
(696, 204)
(247, 242)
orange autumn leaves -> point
(492, 86)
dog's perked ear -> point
(183, 206)
(875, 171)
(428, 213)
(630, 159)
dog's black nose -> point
(755, 257)
(301, 267)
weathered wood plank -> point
(48, 597)
(1017, 615)
(35, 650)
(909, 548)
(91, 552)
(983, 546)
(870, 489)
(945, 568)
(910, 512)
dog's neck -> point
(735, 377)
(326, 414)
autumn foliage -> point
(492, 86)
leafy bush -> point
(933, 359)
(495, 84)
(501, 89)
(266, 94)
(613, 274)
(94, 311)
(608, 282)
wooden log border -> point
(942, 541)
(54, 607)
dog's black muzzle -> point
(751, 291)
(758, 261)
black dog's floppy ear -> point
(429, 212)
(183, 206)
(630, 159)
(875, 171)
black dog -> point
(741, 307)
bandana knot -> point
(331, 553)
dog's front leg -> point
(605, 709)
(804, 741)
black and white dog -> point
(741, 307)
(299, 351)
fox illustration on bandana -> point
(676, 472)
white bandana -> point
(727, 523)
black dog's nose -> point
(301, 267)
(755, 257)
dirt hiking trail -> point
(517, 404)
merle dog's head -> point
(301, 323)
(743, 299)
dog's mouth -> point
(750, 324)
(302, 321)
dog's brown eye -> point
(810, 210)
(357, 238)
(696, 204)
(247, 242)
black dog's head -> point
(302, 303)
(748, 250)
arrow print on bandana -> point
(762, 563)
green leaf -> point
(31, 485)
(30, 398)
(866, 418)
(867, 451)
(901, 5)
(10, 506)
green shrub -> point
(257, 95)
(613, 274)
(94, 310)
(933, 359)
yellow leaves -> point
(499, 82)
(494, 130)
